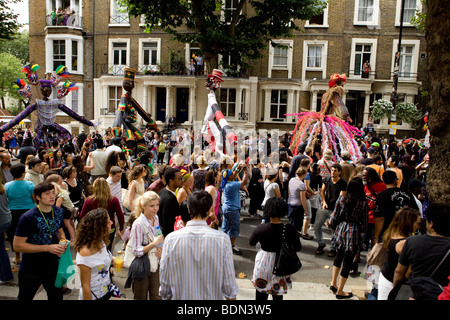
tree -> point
(8, 20)
(10, 69)
(18, 46)
(437, 33)
(218, 30)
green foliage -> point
(18, 46)
(8, 20)
(10, 69)
(226, 32)
(381, 109)
(419, 19)
(407, 112)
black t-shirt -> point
(269, 236)
(389, 202)
(33, 227)
(333, 190)
(424, 253)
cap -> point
(217, 74)
(371, 150)
(45, 83)
(375, 144)
(129, 74)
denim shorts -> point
(231, 223)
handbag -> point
(286, 261)
(419, 288)
(377, 256)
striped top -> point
(197, 264)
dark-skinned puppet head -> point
(128, 79)
(46, 88)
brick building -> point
(97, 47)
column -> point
(238, 111)
(313, 102)
(290, 105)
(169, 107)
(366, 108)
(192, 104)
(267, 105)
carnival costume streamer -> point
(213, 112)
(330, 123)
(64, 89)
(23, 89)
(58, 74)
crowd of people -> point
(180, 213)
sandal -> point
(307, 236)
(333, 289)
(320, 249)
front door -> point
(161, 104)
(182, 114)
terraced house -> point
(96, 40)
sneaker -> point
(236, 251)
(320, 248)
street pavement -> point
(310, 283)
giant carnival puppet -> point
(222, 134)
(330, 127)
(46, 108)
(126, 117)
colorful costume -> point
(331, 123)
(46, 109)
(126, 116)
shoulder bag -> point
(286, 262)
(377, 256)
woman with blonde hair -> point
(144, 241)
(102, 198)
(93, 258)
(405, 222)
(136, 187)
(188, 184)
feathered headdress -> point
(65, 88)
(23, 89)
(58, 74)
(337, 79)
(30, 71)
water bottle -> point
(158, 232)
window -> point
(228, 102)
(64, 51)
(119, 55)
(280, 56)
(319, 21)
(115, 93)
(314, 57)
(409, 11)
(74, 55)
(278, 105)
(118, 17)
(409, 57)
(149, 56)
(230, 6)
(363, 50)
(75, 101)
(366, 12)
(59, 53)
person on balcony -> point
(366, 69)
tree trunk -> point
(437, 27)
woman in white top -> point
(136, 187)
(143, 241)
(93, 258)
(297, 207)
(271, 189)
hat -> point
(217, 75)
(337, 78)
(225, 175)
(45, 83)
(375, 144)
(129, 74)
(371, 150)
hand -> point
(56, 249)
(159, 240)
(158, 252)
(324, 205)
(96, 124)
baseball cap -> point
(375, 144)
(371, 150)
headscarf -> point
(225, 175)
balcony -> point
(72, 20)
(361, 74)
(120, 19)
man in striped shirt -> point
(114, 181)
(197, 261)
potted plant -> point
(381, 109)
